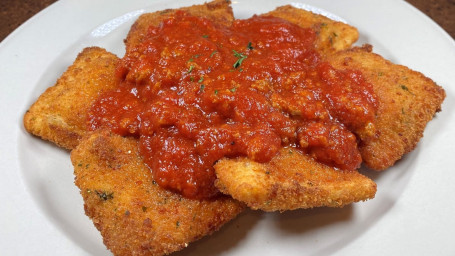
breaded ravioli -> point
(291, 180)
(59, 114)
(134, 215)
(138, 217)
(331, 35)
(407, 102)
(218, 11)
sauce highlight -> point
(194, 92)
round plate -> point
(42, 211)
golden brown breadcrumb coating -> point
(137, 217)
(331, 35)
(291, 180)
(59, 114)
(407, 102)
(219, 11)
(134, 215)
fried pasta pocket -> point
(291, 180)
(59, 114)
(407, 102)
(134, 215)
(218, 11)
(332, 35)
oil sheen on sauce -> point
(194, 92)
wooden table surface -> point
(14, 12)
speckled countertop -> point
(14, 12)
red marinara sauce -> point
(194, 92)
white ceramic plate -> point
(41, 211)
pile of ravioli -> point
(137, 217)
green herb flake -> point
(240, 57)
(249, 47)
(103, 195)
(194, 57)
(216, 92)
(236, 54)
(190, 69)
(213, 53)
(192, 79)
(205, 36)
(233, 89)
(201, 79)
(202, 87)
(404, 87)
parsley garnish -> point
(205, 36)
(190, 69)
(194, 57)
(249, 46)
(201, 79)
(202, 87)
(213, 53)
(104, 195)
(240, 57)
(405, 88)
(216, 92)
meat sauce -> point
(194, 92)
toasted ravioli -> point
(219, 11)
(134, 215)
(407, 102)
(291, 180)
(332, 35)
(59, 114)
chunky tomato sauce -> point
(194, 92)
